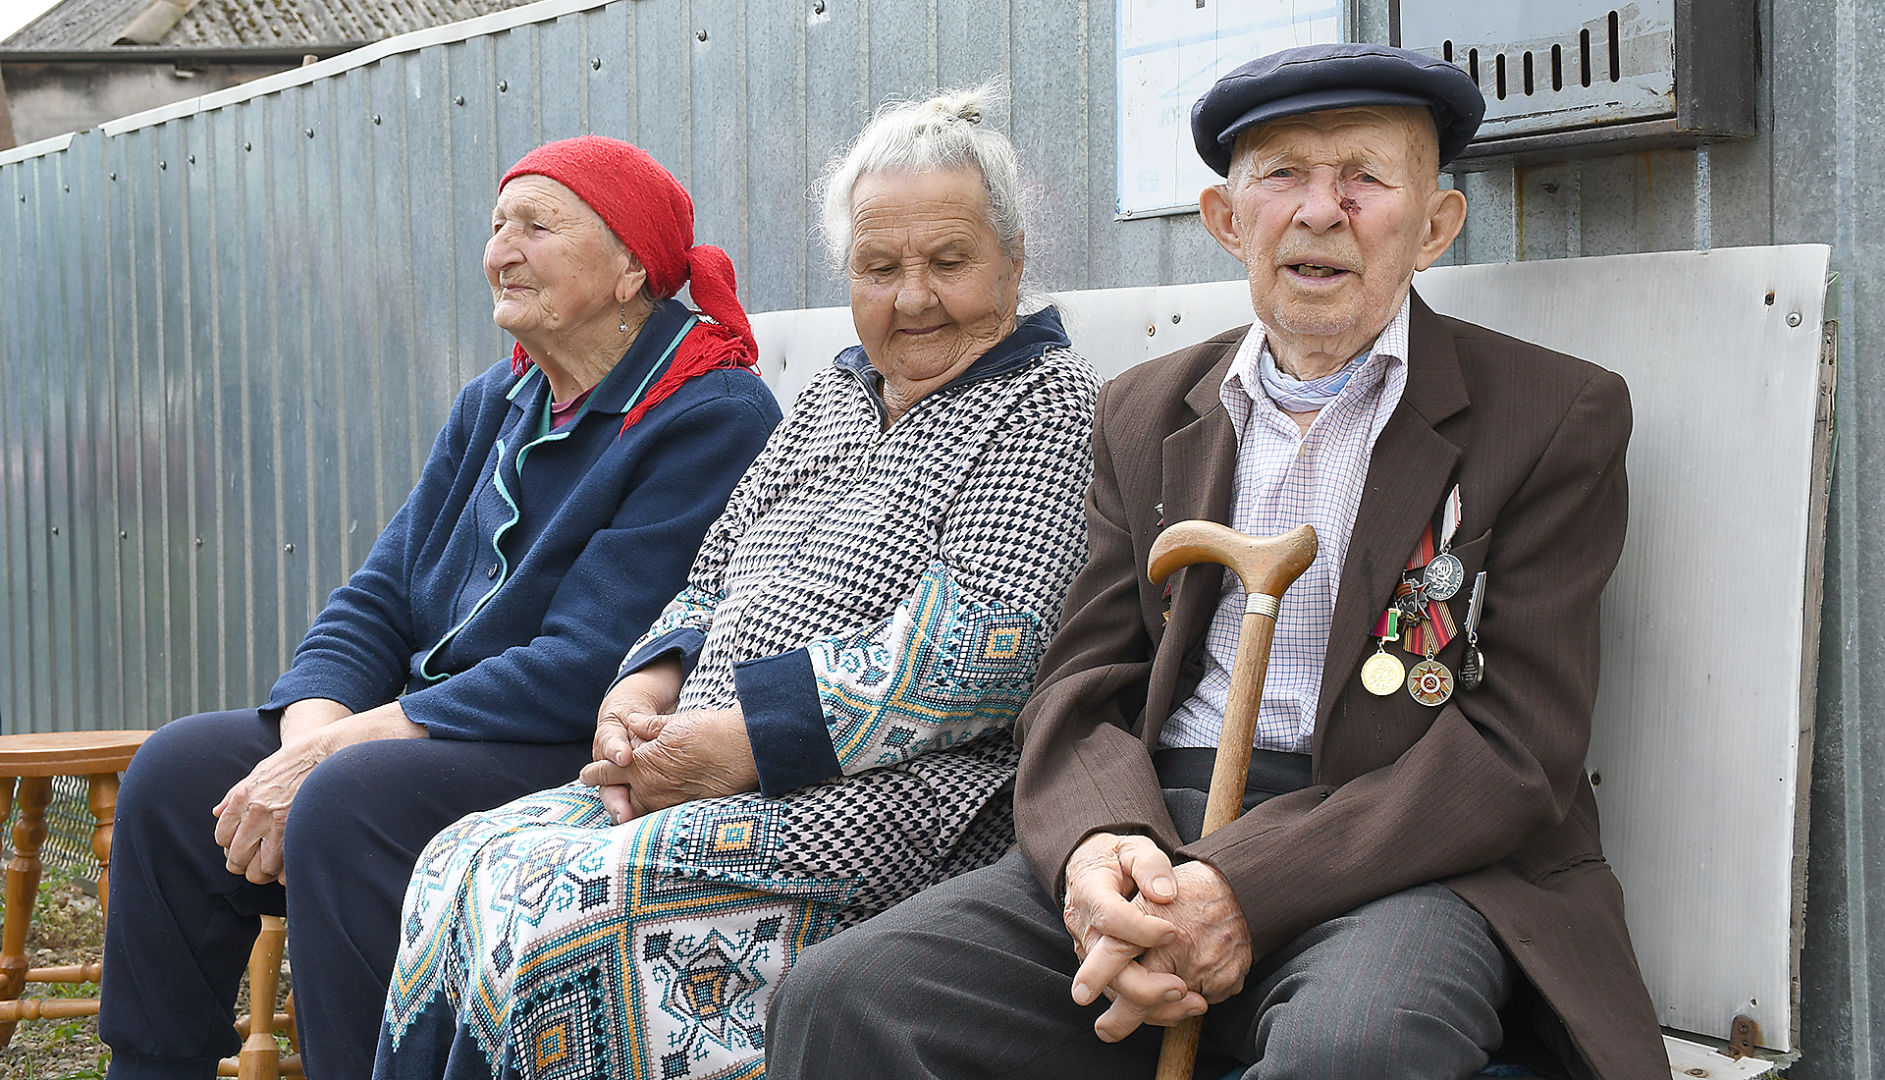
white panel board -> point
(1710, 624)
(1708, 648)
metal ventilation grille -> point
(1557, 66)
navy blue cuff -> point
(298, 685)
(684, 644)
(785, 722)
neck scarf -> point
(1299, 396)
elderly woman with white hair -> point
(817, 727)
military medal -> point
(1430, 682)
(1444, 574)
(1381, 675)
(1473, 665)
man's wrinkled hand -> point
(1110, 931)
(1161, 942)
(1211, 951)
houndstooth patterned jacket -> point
(876, 602)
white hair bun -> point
(965, 105)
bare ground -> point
(66, 929)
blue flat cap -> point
(1311, 78)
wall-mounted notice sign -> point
(1170, 52)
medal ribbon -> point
(1434, 626)
(1450, 520)
(1431, 634)
(1388, 627)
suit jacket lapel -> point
(1408, 475)
(1200, 460)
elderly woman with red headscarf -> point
(460, 667)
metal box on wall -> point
(1592, 76)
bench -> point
(1710, 627)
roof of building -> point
(101, 25)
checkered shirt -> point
(1286, 477)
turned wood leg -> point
(29, 835)
(261, 1057)
(104, 804)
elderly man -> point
(1416, 883)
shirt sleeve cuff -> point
(684, 644)
(785, 721)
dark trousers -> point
(181, 925)
(972, 979)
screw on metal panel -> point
(163, 165)
(595, 63)
(1175, 318)
(192, 159)
(309, 132)
(503, 86)
(701, 34)
(122, 534)
(376, 119)
(65, 187)
(459, 100)
(55, 530)
(818, 7)
(1596, 779)
(289, 548)
(1793, 318)
(1150, 329)
(248, 146)
(114, 176)
(199, 541)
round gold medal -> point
(1382, 674)
(1430, 682)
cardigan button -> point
(492, 573)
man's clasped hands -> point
(1162, 942)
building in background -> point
(87, 61)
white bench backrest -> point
(1710, 625)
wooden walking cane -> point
(1266, 566)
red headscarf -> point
(650, 212)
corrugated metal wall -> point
(227, 338)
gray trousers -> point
(972, 979)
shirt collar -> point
(1243, 383)
(634, 370)
(1032, 336)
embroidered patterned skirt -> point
(540, 941)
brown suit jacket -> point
(1486, 794)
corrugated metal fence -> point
(228, 329)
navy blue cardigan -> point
(502, 595)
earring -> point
(624, 327)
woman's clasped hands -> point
(648, 757)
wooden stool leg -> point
(104, 804)
(29, 834)
(261, 1057)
